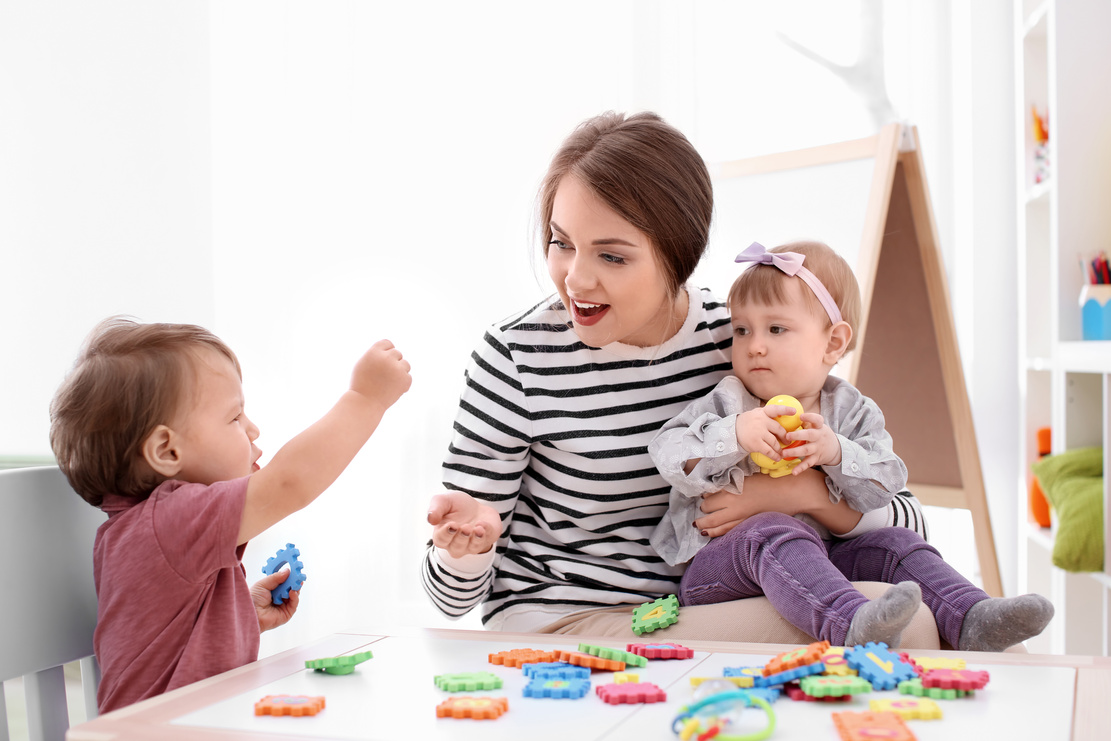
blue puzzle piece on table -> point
(771, 694)
(556, 670)
(790, 675)
(571, 689)
(879, 665)
(743, 671)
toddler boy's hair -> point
(128, 378)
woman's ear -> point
(161, 453)
(839, 337)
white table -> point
(393, 696)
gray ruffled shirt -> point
(868, 477)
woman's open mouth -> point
(587, 314)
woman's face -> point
(607, 273)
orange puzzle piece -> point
(871, 726)
(521, 656)
(478, 708)
(788, 660)
(591, 662)
(289, 705)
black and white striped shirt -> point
(553, 434)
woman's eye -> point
(558, 244)
(615, 259)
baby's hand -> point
(821, 446)
(269, 614)
(382, 374)
(461, 524)
(758, 431)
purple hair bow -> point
(790, 263)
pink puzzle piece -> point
(615, 694)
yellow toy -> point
(790, 422)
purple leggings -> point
(807, 579)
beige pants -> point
(751, 620)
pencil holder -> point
(1095, 312)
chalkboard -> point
(868, 199)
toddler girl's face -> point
(215, 437)
(780, 348)
(607, 273)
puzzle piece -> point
(743, 682)
(908, 708)
(614, 654)
(795, 658)
(880, 666)
(790, 675)
(478, 708)
(641, 692)
(285, 557)
(925, 663)
(556, 670)
(656, 614)
(955, 679)
(834, 686)
(743, 671)
(914, 687)
(557, 688)
(660, 650)
(593, 662)
(521, 656)
(289, 705)
(339, 664)
(795, 693)
(468, 681)
(835, 662)
(625, 678)
(870, 726)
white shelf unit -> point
(1063, 66)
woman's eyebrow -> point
(601, 242)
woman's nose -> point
(580, 276)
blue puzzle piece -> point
(285, 557)
(743, 671)
(557, 688)
(555, 670)
(790, 675)
(880, 666)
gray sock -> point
(884, 619)
(998, 623)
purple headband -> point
(791, 264)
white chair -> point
(49, 607)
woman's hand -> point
(461, 524)
(791, 495)
(269, 614)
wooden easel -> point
(906, 357)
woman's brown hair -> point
(646, 171)
(128, 379)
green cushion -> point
(1073, 484)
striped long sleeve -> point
(553, 434)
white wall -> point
(323, 175)
(104, 185)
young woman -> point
(553, 495)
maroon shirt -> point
(174, 605)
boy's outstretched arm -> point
(309, 463)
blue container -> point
(1095, 312)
